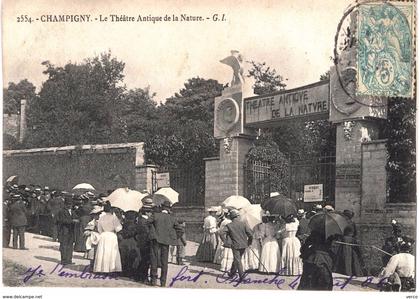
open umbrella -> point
(236, 202)
(126, 199)
(165, 193)
(14, 179)
(279, 205)
(329, 223)
(251, 215)
(84, 187)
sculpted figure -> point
(235, 62)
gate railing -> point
(257, 180)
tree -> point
(184, 132)
(14, 93)
(78, 104)
(139, 114)
(266, 79)
(400, 130)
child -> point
(181, 243)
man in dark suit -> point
(18, 221)
(143, 239)
(55, 205)
(241, 236)
(163, 234)
(66, 219)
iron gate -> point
(188, 182)
(257, 180)
(315, 170)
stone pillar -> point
(22, 128)
(348, 184)
(143, 178)
(225, 176)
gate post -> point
(225, 173)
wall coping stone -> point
(211, 158)
(97, 148)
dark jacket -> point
(164, 226)
(239, 232)
(142, 233)
(66, 225)
(17, 214)
(54, 205)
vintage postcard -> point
(265, 146)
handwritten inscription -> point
(59, 271)
(305, 101)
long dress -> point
(225, 255)
(129, 251)
(348, 258)
(291, 263)
(108, 257)
(207, 248)
(270, 253)
(250, 259)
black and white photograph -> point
(239, 145)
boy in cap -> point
(143, 239)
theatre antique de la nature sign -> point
(310, 101)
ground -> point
(43, 256)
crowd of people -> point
(132, 243)
(136, 243)
(287, 245)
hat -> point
(329, 208)
(234, 213)
(38, 189)
(147, 200)
(27, 189)
(15, 186)
(213, 209)
(348, 213)
(166, 204)
(96, 209)
(16, 196)
(273, 194)
(90, 194)
(301, 211)
(318, 207)
(46, 188)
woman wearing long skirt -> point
(270, 253)
(291, 263)
(129, 251)
(226, 254)
(251, 257)
(218, 254)
(207, 248)
(108, 257)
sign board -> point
(313, 193)
(163, 180)
(310, 101)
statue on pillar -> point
(235, 61)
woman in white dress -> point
(108, 257)
(251, 257)
(270, 253)
(226, 254)
(291, 263)
(207, 248)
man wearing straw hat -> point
(241, 235)
(163, 234)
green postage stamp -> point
(385, 56)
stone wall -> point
(376, 214)
(64, 167)
(225, 174)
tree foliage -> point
(400, 130)
(14, 93)
(266, 79)
(78, 104)
(184, 134)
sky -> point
(294, 37)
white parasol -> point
(165, 193)
(126, 199)
(236, 202)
